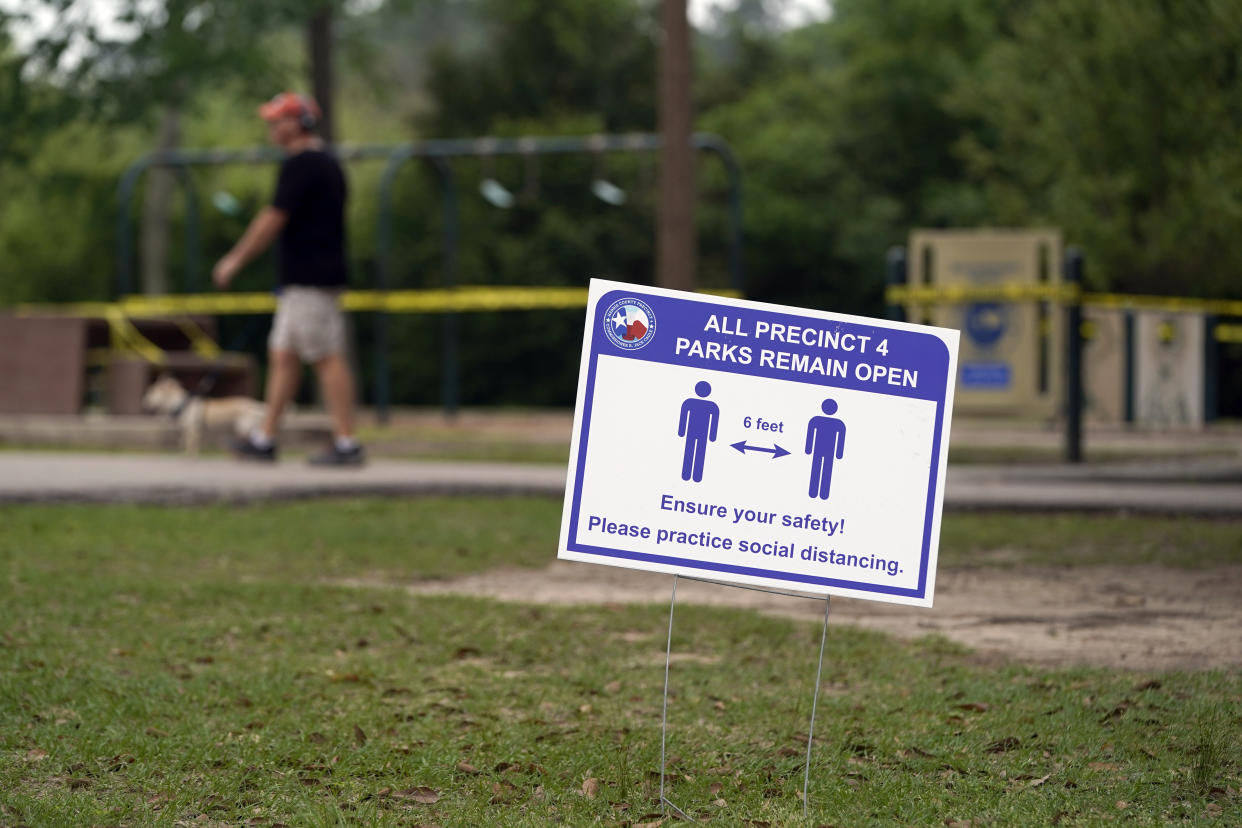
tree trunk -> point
(319, 48)
(157, 208)
(675, 232)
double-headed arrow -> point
(776, 451)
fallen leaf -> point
(360, 736)
(466, 652)
(719, 705)
(1103, 766)
(1118, 711)
(503, 792)
(316, 738)
(715, 788)
(421, 793)
(1122, 804)
(334, 676)
(959, 823)
(654, 824)
(206, 659)
(156, 732)
(584, 709)
(975, 707)
(465, 767)
(719, 803)
(1002, 745)
(1150, 684)
(1035, 783)
(36, 755)
(612, 687)
(590, 787)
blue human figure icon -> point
(825, 442)
(699, 420)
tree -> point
(1119, 122)
(848, 140)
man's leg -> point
(337, 385)
(284, 370)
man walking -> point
(306, 220)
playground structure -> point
(130, 318)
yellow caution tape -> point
(1229, 333)
(961, 294)
(127, 338)
(1219, 307)
(955, 294)
(200, 342)
(448, 300)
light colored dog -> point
(193, 413)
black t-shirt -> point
(311, 249)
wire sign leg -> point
(810, 734)
(668, 652)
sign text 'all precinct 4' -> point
(761, 445)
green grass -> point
(438, 537)
(1067, 539)
(203, 666)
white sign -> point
(758, 444)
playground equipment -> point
(451, 300)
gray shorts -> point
(308, 322)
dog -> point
(194, 413)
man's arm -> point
(263, 230)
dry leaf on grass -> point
(590, 787)
(465, 767)
(360, 736)
(503, 792)
(1002, 745)
(420, 793)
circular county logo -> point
(629, 324)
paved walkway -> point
(1198, 488)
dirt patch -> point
(1135, 617)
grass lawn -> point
(200, 666)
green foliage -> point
(1117, 122)
(1120, 123)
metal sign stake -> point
(668, 653)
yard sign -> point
(761, 445)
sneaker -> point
(246, 449)
(336, 456)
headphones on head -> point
(306, 117)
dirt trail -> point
(1135, 617)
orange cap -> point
(292, 105)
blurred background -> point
(853, 123)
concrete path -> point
(1210, 489)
